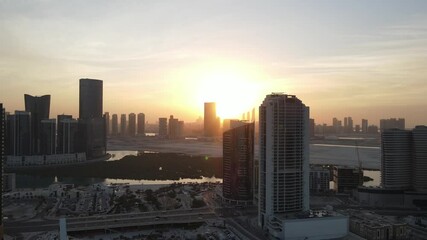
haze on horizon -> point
(365, 59)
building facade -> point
(19, 138)
(163, 127)
(132, 125)
(39, 107)
(123, 124)
(238, 161)
(141, 124)
(211, 124)
(419, 135)
(284, 157)
(396, 159)
(67, 136)
(114, 125)
(48, 137)
(92, 130)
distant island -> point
(148, 166)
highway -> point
(114, 221)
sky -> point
(365, 59)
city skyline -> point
(345, 59)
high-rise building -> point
(132, 125)
(39, 108)
(350, 125)
(59, 131)
(365, 126)
(114, 125)
(396, 159)
(48, 137)
(312, 127)
(107, 123)
(92, 131)
(173, 127)
(346, 179)
(67, 136)
(19, 136)
(2, 153)
(141, 124)
(211, 126)
(238, 161)
(419, 135)
(123, 124)
(90, 98)
(319, 179)
(163, 127)
(284, 157)
(392, 123)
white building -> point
(284, 157)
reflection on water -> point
(117, 155)
(162, 182)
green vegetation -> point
(160, 166)
(197, 203)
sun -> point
(234, 92)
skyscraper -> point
(284, 157)
(211, 127)
(114, 124)
(2, 153)
(141, 124)
(107, 123)
(396, 159)
(59, 142)
(364, 126)
(92, 131)
(163, 127)
(132, 124)
(419, 135)
(238, 158)
(39, 108)
(67, 136)
(19, 136)
(173, 127)
(48, 137)
(90, 98)
(123, 124)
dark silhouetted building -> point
(39, 108)
(59, 131)
(347, 179)
(284, 157)
(67, 136)
(312, 126)
(141, 124)
(92, 130)
(48, 137)
(238, 163)
(319, 179)
(211, 125)
(372, 129)
(19, 137)
(123, 124)
(364, 126)
(90, 104)
(173, 128)
(107, 123)
(163, 127)
(392, 123)
(132, 125)
(419, 138)
(396, 159)
(114, 125)
(2, 154)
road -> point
(114, 221)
